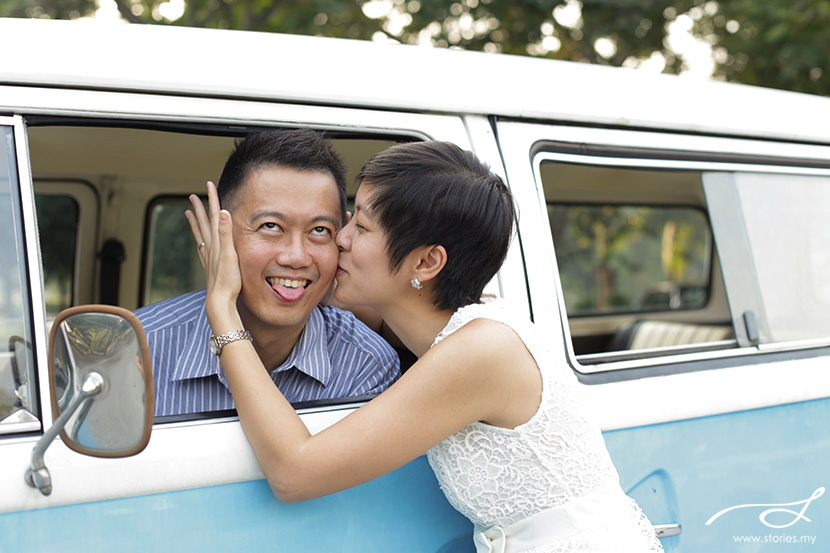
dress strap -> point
(551, 525)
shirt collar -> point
(309, 355)
(195, 356)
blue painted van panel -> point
(686, 472)
(401, 512)
(679, 472)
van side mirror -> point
(101, 382)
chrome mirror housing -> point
(101, 383)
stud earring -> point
(416, 283)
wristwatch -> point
(218, 342)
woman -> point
(498, 417)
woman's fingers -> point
(203, 226)
(213, 208)
(201, 219)
(197, 235)
(228, 259)
(194, 226)
(224, 281)
(213, 232)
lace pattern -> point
(497, 476)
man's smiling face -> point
(284, 224)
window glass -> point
(173, 265)
(638, 272)
(786, 231)
(57, 218)
(630, 258)
(18, 395)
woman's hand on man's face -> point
(213, 234)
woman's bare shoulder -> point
(485, 336)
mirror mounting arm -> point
(37, 475)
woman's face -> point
(363, 276)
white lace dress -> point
(497, 477)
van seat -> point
(644, 334)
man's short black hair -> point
(301, 149)
(435, 193)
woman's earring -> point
(416, 283)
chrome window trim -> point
(35, 278)
(36, 294)
(640, 141)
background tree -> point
(772, 43)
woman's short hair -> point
(435, 193)
(301, 149)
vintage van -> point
(673, 243)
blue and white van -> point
(674, 244)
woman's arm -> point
(453, 385)
(457, 382)
(439, 395)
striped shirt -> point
(336, 356)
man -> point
(286, 191)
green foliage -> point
(556, 28)
(772, 43)
(53, 9)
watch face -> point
(215, 348)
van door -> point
(684, 279)
(197, 485)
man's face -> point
(284, 224)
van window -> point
(131, 184)
(57, 219)
(657, 261)
(173, 265)
(18, 392)
(639, 272)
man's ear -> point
(432, 260)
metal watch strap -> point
(218, 342)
